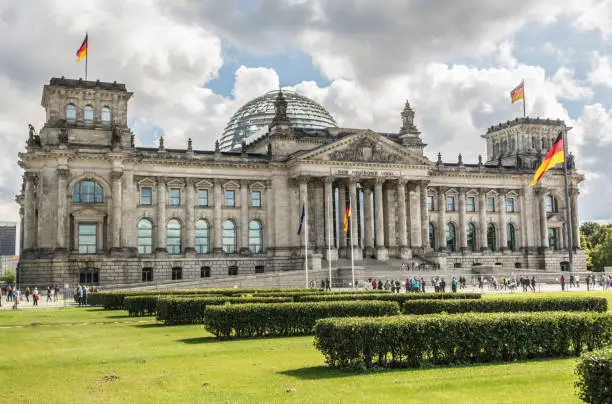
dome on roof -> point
(251, 121)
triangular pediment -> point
(365, 147)
(204, 184)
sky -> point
(192, 63)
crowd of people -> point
(14, 295)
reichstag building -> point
(95, 208)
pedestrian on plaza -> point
(588, 282)
(327, 285)
(49, 294)
(9, 294)
(56, 294)
(562, 282)
(422, 284)
(79, 295)
(85, 293)
(16, 297)
(35, 297)
(533, 283)
(27, 294)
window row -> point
(202, 236)
(174, 197)
(205, 272)
(470, 204)
(451, 237)
(88, 113)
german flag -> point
(553, 157)
(82, 52)
(518, 93)
(347, 215)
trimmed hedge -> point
(257, 320)
(394, 297)
(140, 305)
(114, 300)
(595, 376)
(190, 310)
(569, 303)
(415, 341)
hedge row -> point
(394, 297)
(141, 305)
(114, 300)
(569, 303)
(415, 341)
(190, 310)
(595, 376)
(257, 320)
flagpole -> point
(87, 54)
(524, 101)
(329, 233)
(352, 240)
(306, 244)
(568, 214)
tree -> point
(589, 229)
(8, 277)
(601, 253)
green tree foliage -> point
(601, 253)
(8, 277)
(593, 239)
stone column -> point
(524, 243)
(405, 252)
(574, 192)
(389, 217)
(62, 208)
(117, 217)
(354, 220)
(217, 217)
(382, 254)
(367, 218)
(424, 217)
(442, 219)
(189, 217)
(341, 210)
(304, 202)
(244, 218)
(503, 232)
(543, 218)
(331, 254)
(482, 219)
(29, 234)
(416, 241)
(161, 214)
(320, 217)
(463, 245)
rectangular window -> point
(177, 273)
(510, 205)
(259, 269)
(256, 199)
(175, 196)
(147, 274)
(146, 196)
(553, 238)
(471, 204)
(87, 238)
(450, 203)
(232, 271)
(202, 197)
(430, 203)
(205, 272)
(230, 198)
(490, 204)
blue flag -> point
(302, 219)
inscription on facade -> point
(364, 173)
(365, 150)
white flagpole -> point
(352, 237)
(306, 243)
(329, 234)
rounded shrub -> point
(594, 371)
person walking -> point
(49, 294)
(85, 294)
(562, 282)
(27, 294)
(35, 297)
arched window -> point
(202, 236)
(255, 237)
(533, 143)
(173, 237)
(471, 237)
(552, 206)
(491, 237)
(229, 236)
(70, 112)
(451, 240)
(432, 236)
(105, 115)
(88, 113)
(511, 237)
(87, 191)
(145, 236)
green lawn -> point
(124, 360)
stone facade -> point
(96, 208)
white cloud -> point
(568, 87)
(597, 17)
(601, 70)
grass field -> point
(115, 358)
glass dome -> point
(251, 121)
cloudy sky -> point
(191, 64)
